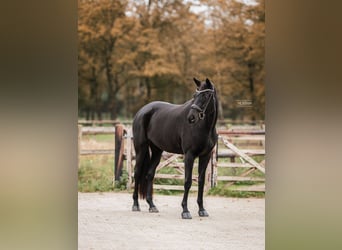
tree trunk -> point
(148, 87)
(87, 113)
(110, 79)
(113, 114)
(251, 78)
(99, 114)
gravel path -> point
(105, 221)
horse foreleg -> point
(188, 162)
(202, 166)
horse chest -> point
(199, 144)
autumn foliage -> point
(134, 52)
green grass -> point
(220, 190)
(99, 137)
(96, 175)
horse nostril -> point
(192, 119)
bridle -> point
(201, 111)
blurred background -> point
(39, 110)
(134, 52)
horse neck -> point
(212, 113)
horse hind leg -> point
(155, 159)
(142, 157)
(137, 173)
(143, 160)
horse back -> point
(165, 126)
(160, 123)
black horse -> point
(187, 129)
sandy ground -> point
(105, 221)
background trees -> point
(133, 52)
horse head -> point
(205, 93)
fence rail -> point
(124, 151)
(249, 124)
(98, 130)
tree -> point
(101, 26)
(238, 33)
(133, 52)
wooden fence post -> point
(208, 175)
(129, 158)
(119, 151)
(214, 166)
(79, 144)
(211, 175)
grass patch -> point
(96, 175)
(235, 193)
(99, 137)
(220, 190)
(122, 183)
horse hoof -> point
(153, 210)
(186, 215)
(135, 208)
(203, 213)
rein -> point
(201, 112)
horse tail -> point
(142, 179)
(141, 145)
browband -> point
(204, 90)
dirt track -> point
(105, 221)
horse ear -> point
(198, 82)
(209, 85)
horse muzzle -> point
(195, 114)
(192, 118)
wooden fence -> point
(221, 123)
(224, 155)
